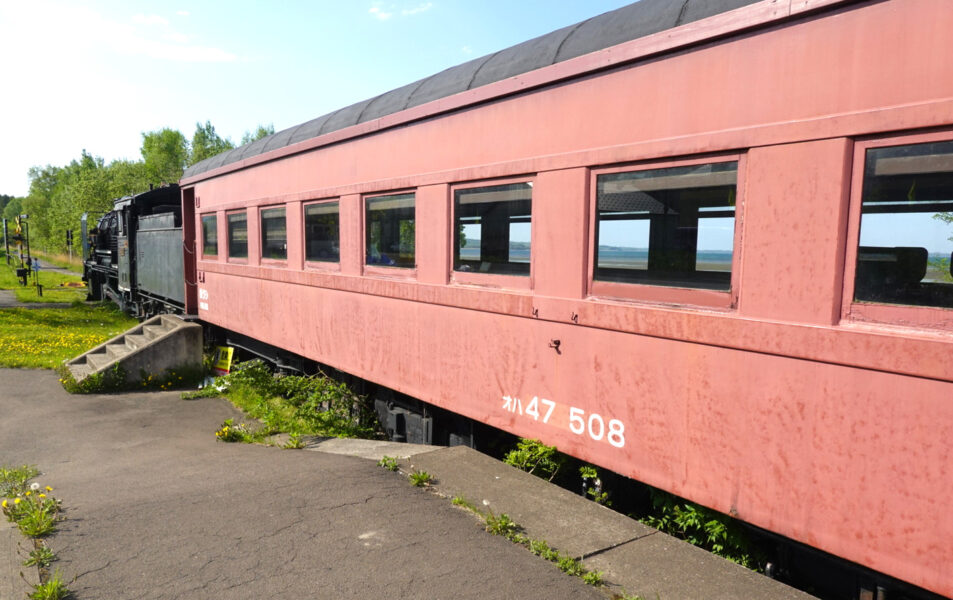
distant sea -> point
(612, 256)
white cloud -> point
(149, 20)
(379, 13)
(422, 7)
(176, 38)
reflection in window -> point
(390, 231)
(672, 226)
(492, 229)
(322, 231)
(906, 226)
(210, 235)
(274, 234)
(237, 235)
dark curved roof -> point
(609, 29)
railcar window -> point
(274, 234)
(906, 226)
(390, 231)
(671, 226)
(492, 229)
(237, 235)
(210, 236)
(322, 232)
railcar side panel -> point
(848, 460)
(767, 402)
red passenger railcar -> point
(712, 255)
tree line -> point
(59, 196)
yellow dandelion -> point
(4, 504)
(42, 495)
(49, 489)
(16, 500)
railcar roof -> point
(603, 31)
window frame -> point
(228, 237)
(382, 270)
(861, 311)
(218, 248)
(266, 260)
(660, 293)
(516, 282)
(321, 265)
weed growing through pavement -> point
(506, 527)
(13, 480)
(536, 458)
(420, 478)
(229, 432)
(40, 557)
(54, 588)
(388, 462)
(502, 525)
(35, 512)
(294, 442)
(464, 503)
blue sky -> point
(94, 75)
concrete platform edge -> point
(633, 557)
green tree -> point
(262, 131)
(207, 143)
(12, 209)
(166, 154)
(127, 177)
(44, 182)
(84, 186)
(946, 217)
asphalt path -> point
(156, 508)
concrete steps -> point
(161, 343)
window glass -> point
(237, 235)
(673, 226)
(274, 234)
(492, 229)
(906, 226)
(210, 235)
(322, 231)
(390, 231)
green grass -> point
(63, 260)
(290, 404)
(54, 289)
(43, 338)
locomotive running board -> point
(164, 342)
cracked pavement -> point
(156, 508)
